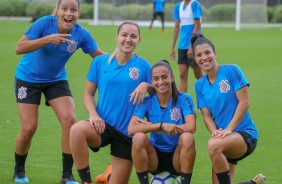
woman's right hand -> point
(58, 39)
(97, 123)
(172, 54)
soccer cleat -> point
(19, 176)
(105, 176)
(163, 30)
(68, 179)
(258, 179)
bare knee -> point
(77, 130)
(213, 147)
(27, 132)
(186, 140)
(139, 140)
(67, 121)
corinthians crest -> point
(134, 73)
(22, 92)
(175, 114)
(224, 86)
(72, 46)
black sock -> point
(85, 175)
(143, 177)
(67, 163)
(186, 177)
(20, 161)
(224, 177)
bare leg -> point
(121, 170)
(183, 70)
(197, 72)
(29, 120)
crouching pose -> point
(120, 78)
(223, 98)
(171, 123)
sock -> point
(143, 177)
(85, 175)
(224, 177)
(67, 163)
(186, 177)
(20, 161)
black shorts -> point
(183, 58)
(251, 146)
(30, 92)
(120, 144)
(165, 163)
(160, 14)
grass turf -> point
(257, 52)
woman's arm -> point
(242, 107)
(97, 52)
(90, 105)
(139, 125)
(190, 123)
(138, 95)
(174, 38)
(209, 122)
(26, 45)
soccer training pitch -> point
(258, 52)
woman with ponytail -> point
(171, 121)
(223, 98)
(122, 79)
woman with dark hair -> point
(223, 98)
(171, 121)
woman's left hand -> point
(138, 95)
(220, 133)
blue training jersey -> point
(220, 98)
(47, 64)
(159, 5)
(115, 83)
(186, 16)
(151, 109)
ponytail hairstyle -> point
(130, 22)
(175, 91)
(55, 11)
(199, 40)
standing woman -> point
(47, 46)
(187, 17)
(158, 10)
(121, 78)
(223, 98)
(171, 122)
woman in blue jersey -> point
(187, 17)
(121, 79)
(47, 46)
(158, 10)
(222, 97)
(171, 122)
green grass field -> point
(257, 52)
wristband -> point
(161, 125)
